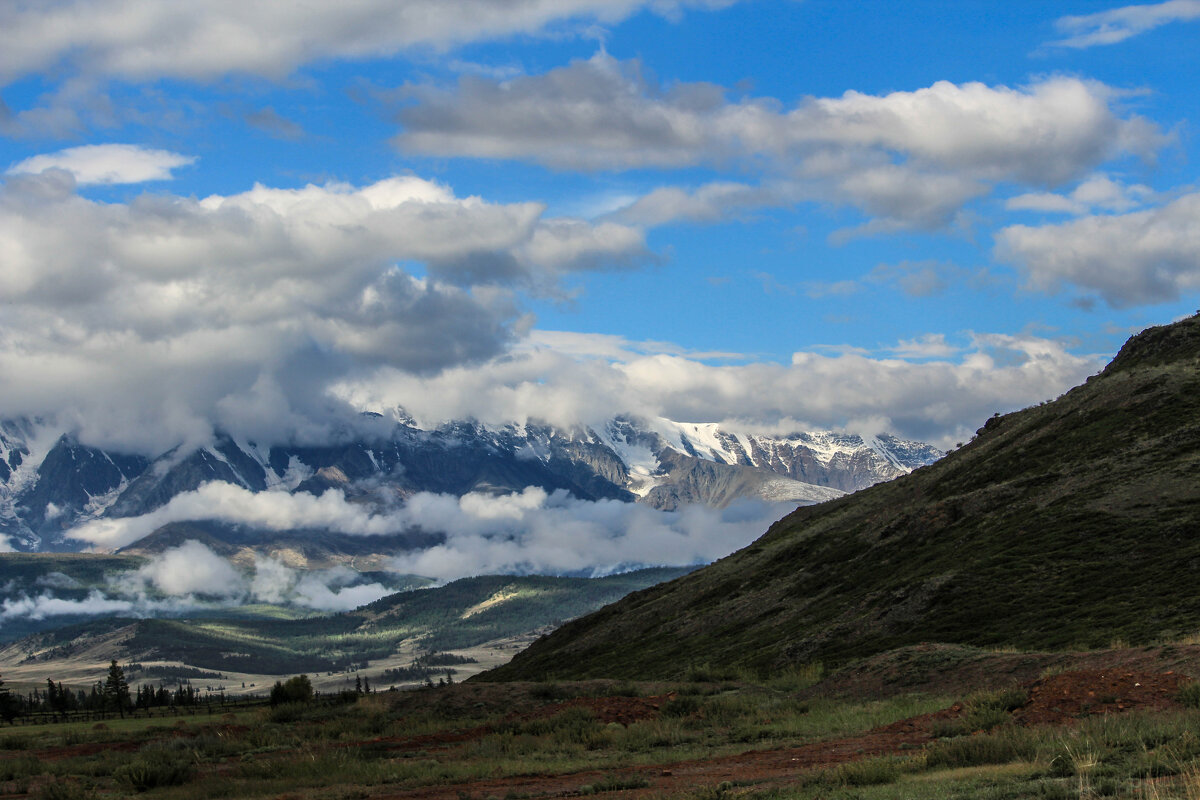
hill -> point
(253, 641)
(1072, 523)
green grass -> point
(370, 747)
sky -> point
(261, 216)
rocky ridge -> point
(51, 482)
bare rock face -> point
(50, 482)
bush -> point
(151, 770)
(971, 751)
(294, 690)
(1189, 695)
(681, 707)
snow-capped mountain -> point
(50, 482)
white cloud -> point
(525, 532)
(1097, 193)
(537, 533)
(47, 605)
(191, 578)
(238, 311)
(940, 400)
(205, 40)
(604, 114)
(191, 569)
(1130, 259)
(1118, 24)
(908, 159)
(107, 164)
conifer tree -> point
(8, 704)
(116, 689)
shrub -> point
(1189, 695)
(971, 751)
(294, 690)
(681, 707)
(151, 770)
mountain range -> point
(50, 481)
(1071, 524)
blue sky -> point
(774, 213)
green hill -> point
(1072, 523)
(461, 614)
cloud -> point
(1097, 193)
(272, 122)
(191, 578)
(523, 532)
(1139, 258)
(192, 569)
(929, 278)
(239, 311)
(224, 502)
(605, 114)
(940, 400)
(107, 164)
(908, 159)
(1118, 24)
(202, 41)
(47, 605)
(533, 532)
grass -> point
(457, 735)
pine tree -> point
(8, 704)
(116, 689)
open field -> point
(1126, 731)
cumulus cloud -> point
(940, 400)
(1118, 24)
(191, 569)
(238, 311)
(107, 164)
(1143, 257)
(161, 38)
(908, 159)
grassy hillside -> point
(461, 614)
(1072, 523)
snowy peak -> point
(50, 482)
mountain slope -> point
(50, 482)
(1070, 523)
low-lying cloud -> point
(527, 532)
(192, 578)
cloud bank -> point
(527, 532)
(568, 378)
(191, 578)
(239, 311)
(909, 159)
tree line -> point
(109, 695)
